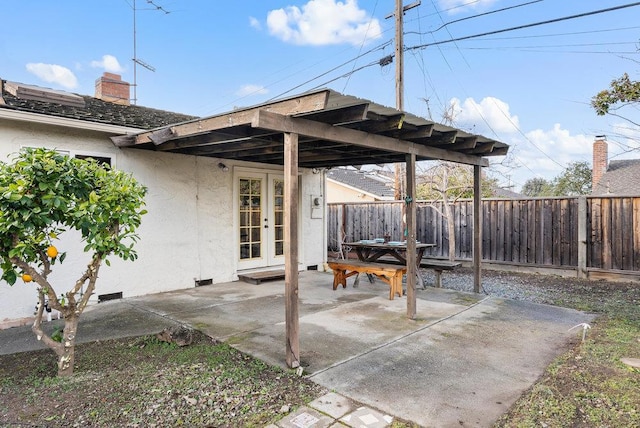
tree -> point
(534, 187)
(621, 92)
(44, 194)
(449, 182)
(574, 180)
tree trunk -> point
(66, 353)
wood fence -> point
(579, 233)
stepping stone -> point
(334, 405)
(306, 418)
(633, 362)
(369, 418)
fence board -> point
(525, 231)
(516, 232)
(627, 234)
(636, 233)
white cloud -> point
(109, 63)
(246, 90)
(254, 23)
(53, 73)
(545, 153)
(488, 117)
(323, 22)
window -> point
(105, 160)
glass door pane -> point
(278, 216)
(250, 221)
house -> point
(502, 193)
(207, 217)
(616, 177)
(351, 185)
(237, 191)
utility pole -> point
(399, 189)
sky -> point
(529, 87)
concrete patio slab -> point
(462, 362)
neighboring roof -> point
(363, 181)
(85, 108)
(332, 130)
(501, 192)
(621, 178)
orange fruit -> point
(52, 251)
(26, 277)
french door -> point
(260, 219)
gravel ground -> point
(507, 285)
(582, 294)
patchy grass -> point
(145, 382)
(589, 386)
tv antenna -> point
(137, 61)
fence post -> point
(582, 237)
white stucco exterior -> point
(339, 192)
(187, 235)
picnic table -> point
(372, 250)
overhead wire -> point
(364, 40)
(479, 112)
(508, 118)
(426, 77)
(347, 74)
(573, 33)
(379, 47)
(520, 27)
(453, 40)
(484, 14)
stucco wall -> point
(340, 193)
(186, 235)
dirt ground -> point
(145, 382)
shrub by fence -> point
(577, 232)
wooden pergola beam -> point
(282, 123)
(303, 104)
(343, 115)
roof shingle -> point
(363, 181)
(621, 178)
(95, 110)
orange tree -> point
(44, 194)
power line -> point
(520, 27)
(483, 14)
(379, 47)
(347, 74)
(572, 45)
(573, 33)
(364, 39)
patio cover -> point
(324, 129)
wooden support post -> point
(582, 237)
(412, 269)
(291, 249)
(477, 228)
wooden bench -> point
(438, 267)
(392, 275)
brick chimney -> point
(600, 159)
(110, 87)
